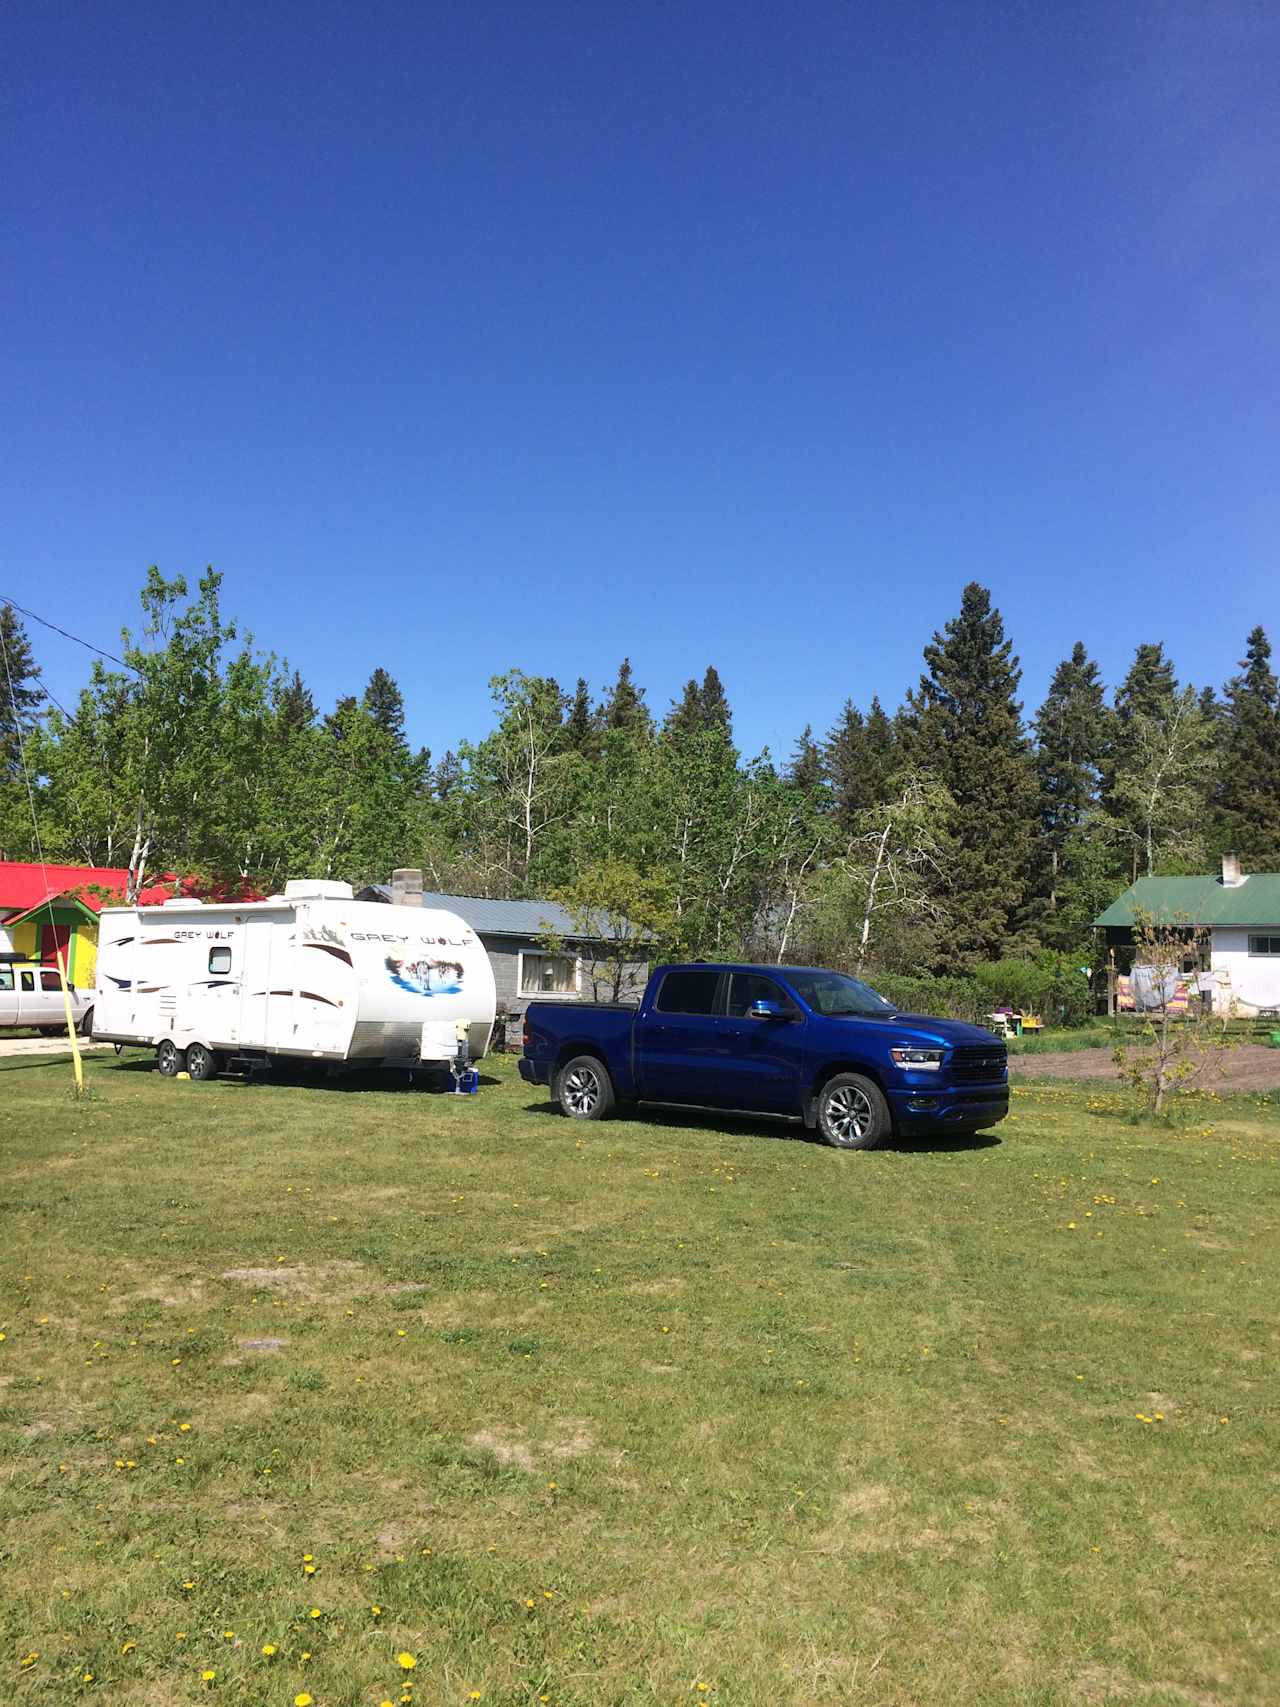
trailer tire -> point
(852, 1113)
(202, 1063)
(583, 1089)
(85, 1028)
(170, 1060)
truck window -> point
(220, 959)
(691, 990)
(748, 987)
(6, 980)
(28, 980)
(50, 981)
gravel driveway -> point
(1251, 1067)
(55, 1044)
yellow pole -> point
(76, 1063)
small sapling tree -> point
(1176, 1039)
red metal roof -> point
(24, 886)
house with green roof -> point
(1241, 913)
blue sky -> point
(471, 336)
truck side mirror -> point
(766, 1010)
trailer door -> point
(257, 995)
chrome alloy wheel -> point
(848, 1113)
(581, 1091)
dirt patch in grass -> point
(507, 1451)
(1251, 1067)
(321, 1280)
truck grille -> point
(980, 1063)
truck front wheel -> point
(852, 1113)
(584, 1090)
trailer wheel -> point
(170, 1060)
(202, 1063)
(584, 1090)
(85, 1028)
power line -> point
(87, 644)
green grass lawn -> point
(297, 1379)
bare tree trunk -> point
(870, 907)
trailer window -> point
(220, 959)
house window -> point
(548, 975)
(219, 960)
(1264, 945)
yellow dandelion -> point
(302, 1700)
(406, 1662)
(376, 1611)
(269, 1649)
(229, 1635)
(184, 1428)
(28, 1660)
(87, 1678)
(473, 1695)
(208, 1675)
(128, 1647)
(189, 1585)
(315, 1612)
(308, 1570)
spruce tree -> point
(715, 702)
(685, 716)
(581, 728)
(970, 736)
(1071, 747)
(1249, 791)
(20, 692)
(295, 707)
(624, 708)
(806, 770)
(844, 760)
(385, 704)
(20, 698)
(882, 756)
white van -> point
(311, 974)
(31, 995)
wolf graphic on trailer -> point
(311, 974)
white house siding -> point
(1251, 981)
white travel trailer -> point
(311, 974)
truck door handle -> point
(734, 1033)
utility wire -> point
(87, 644)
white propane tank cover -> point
(317, 889)
(182, 901)
(437, 1042)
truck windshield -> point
(834, 996)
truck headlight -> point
(917, 1060)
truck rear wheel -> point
(584, 1090)
(170, 1061)
(852, 1113)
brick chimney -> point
(406, 887)
(1232, 876)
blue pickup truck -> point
(791, 1042)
